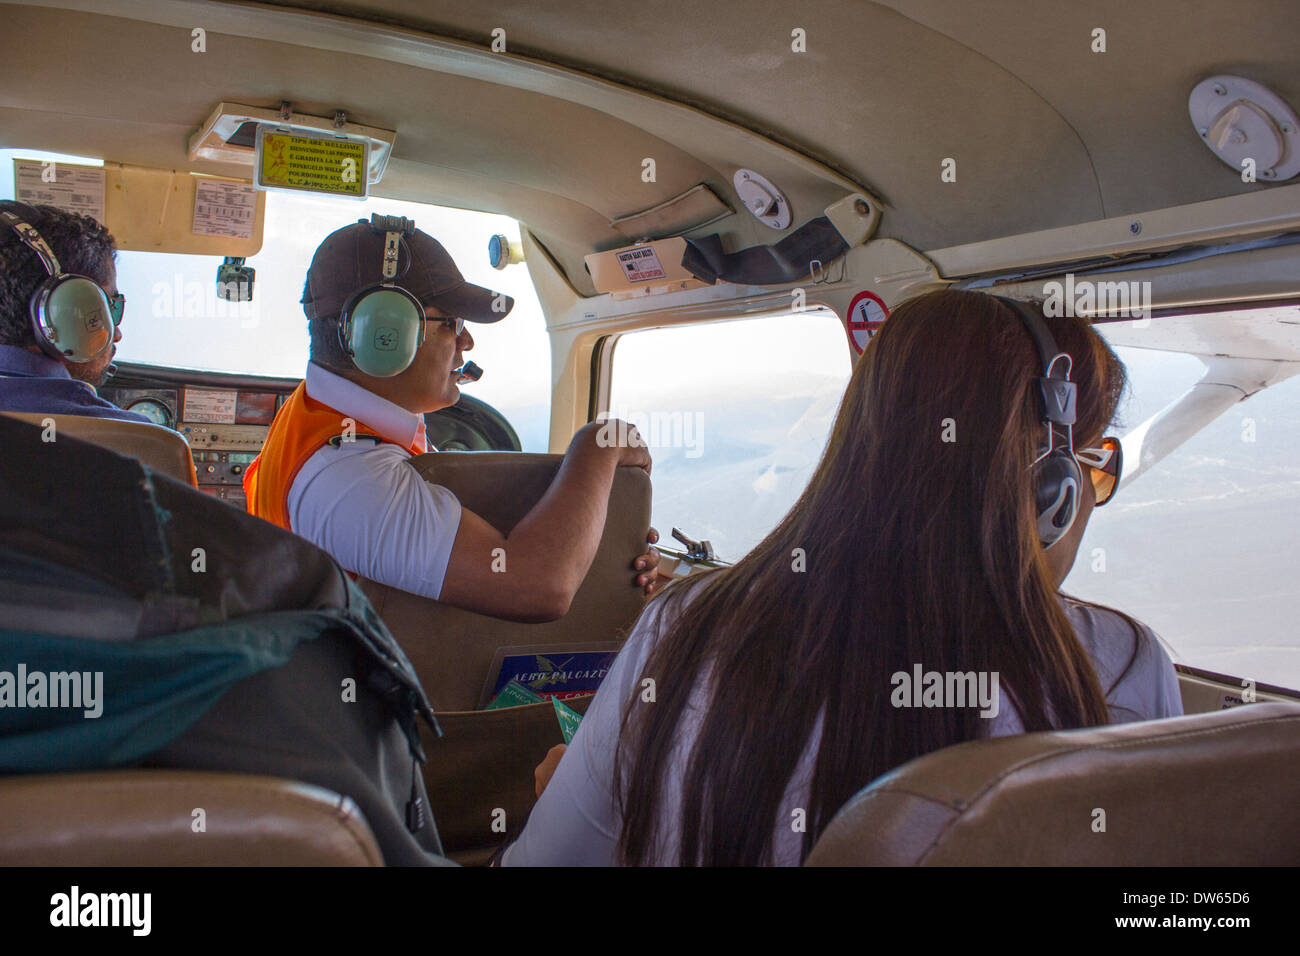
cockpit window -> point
(1203, 546)
(174, 317)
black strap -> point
(1058, 394)
(788, 260)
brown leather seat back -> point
(160, 448)
(480, 772)
(451, 649)
(1219, 789)
(152, 818)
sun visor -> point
(698, 206)
(163, 210)
(647, 268)
(677, 263)
(151, 210)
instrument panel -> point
(225, 427)
(226, 417)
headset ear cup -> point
(1058, 483)
(72, 318)
(385, 327)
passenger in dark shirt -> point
(30, 379)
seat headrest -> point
(149, 818)
(1217, 789)
(160, 448)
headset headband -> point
(32, 239)
(394, 229)
(1057, 392)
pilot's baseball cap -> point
(351, 259)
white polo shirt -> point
(364, 504)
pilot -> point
(60, 312)
(387, 314)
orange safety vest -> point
(301, 428)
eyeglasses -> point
(116, 306)
(1105, 465)
(456, 324)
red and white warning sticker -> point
(641, 264)
(867, 313)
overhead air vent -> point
(1248, 126)
(762, 198)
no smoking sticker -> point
(867, 313)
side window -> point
(1202, 546)
(736, 414)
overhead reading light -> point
(229, 135)
(1242, 121)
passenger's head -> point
(915, 543)
(946, 400)
(350, 261)
(82, 246)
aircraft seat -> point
(160, 448)
(1216, 789)
(150, 818)
(485, 759)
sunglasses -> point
(116, 307)
(1105, 465)
(457, 324)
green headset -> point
(71, 315)
(382, 326)
(1058, 479)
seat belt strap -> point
(786, 261)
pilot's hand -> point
(633, 451)
(650, 579)
(621, 436)
(546, 769)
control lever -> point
(469, 372)
(696, 550)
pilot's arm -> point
(548, 554)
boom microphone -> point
(469, 372)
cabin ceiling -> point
(1045, 133)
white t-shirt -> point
(576, 821)
(364, 504)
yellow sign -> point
(325, 164)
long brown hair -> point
(919, 545)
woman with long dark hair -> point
(750, 703)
